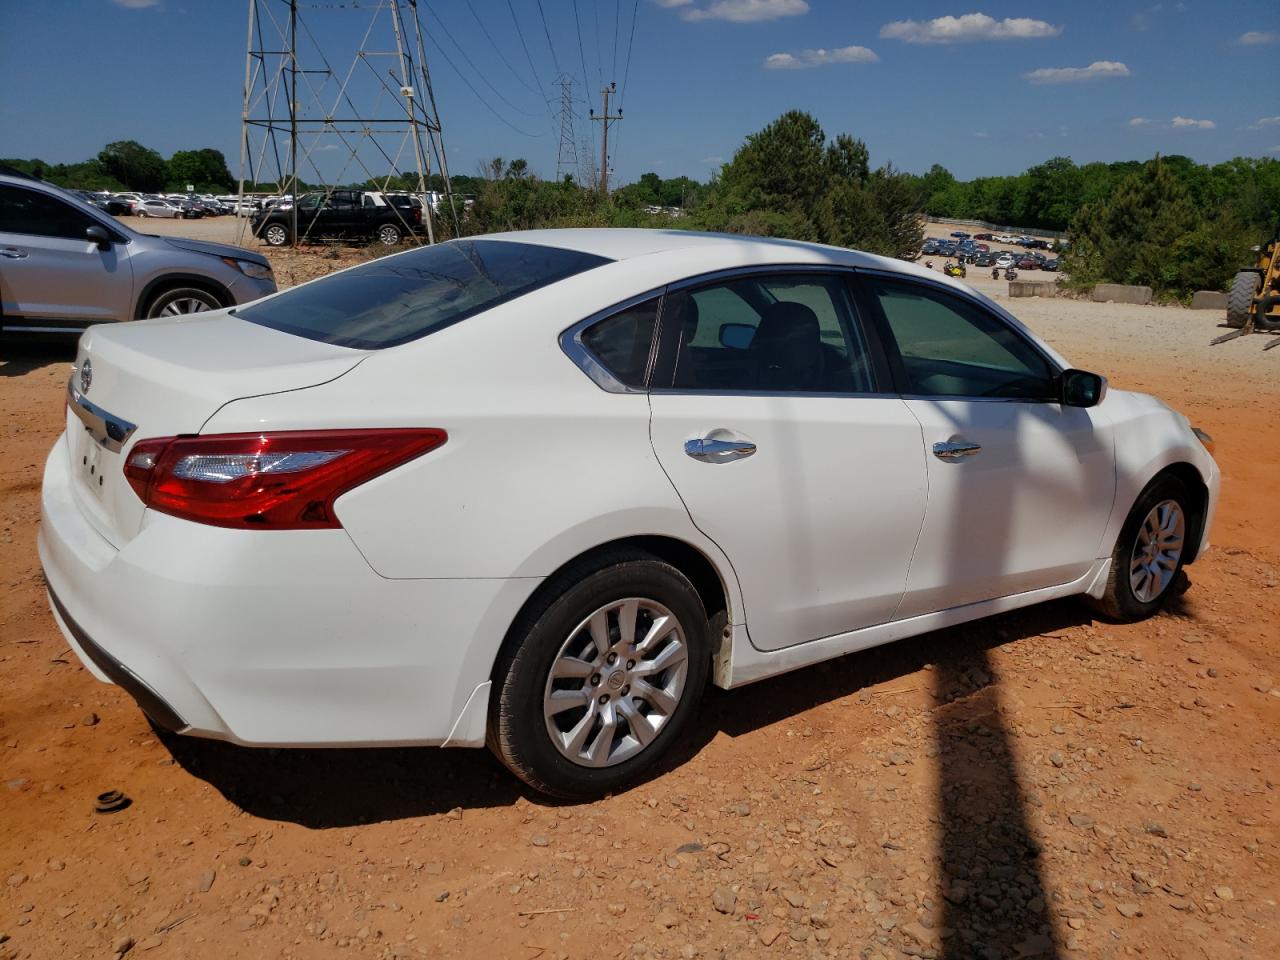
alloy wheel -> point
(184, 305)
(616, 682)
(1156, 553)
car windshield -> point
(392, 301)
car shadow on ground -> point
(323, 788)
(18, 358)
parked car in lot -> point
(1005, 260)
(165, 209)
(984, 259)
(65, 264)
(349, 214)
(960, 234)
(536, 490)
(983, 236)
(1049, 265)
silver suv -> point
(64, 264)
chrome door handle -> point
(13, 253)
(955, 450)
(718, 451)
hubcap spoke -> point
(572, 744)
(656, 696)
(637, 722)
(658, 629)
(671, 655)
(562, 700)
(571, 668)
(602, 746)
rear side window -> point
(392, 301)
(622, 342)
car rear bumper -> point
(272, 638)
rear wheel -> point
(1149, 553)
(277, 235)
(179, 301)
(1244, 287)
(600, 677)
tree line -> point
(1170, 223)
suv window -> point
(953, 348)
(770, 333)
(622, 342)
(402, 298)
(38, 214)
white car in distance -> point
(536, 490)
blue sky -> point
(981, 87)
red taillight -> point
(274, 481)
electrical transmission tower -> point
(606, 119)
(304, 119)
(567, 157)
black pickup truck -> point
(344, 214)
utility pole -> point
(606, 119)
(567, 156)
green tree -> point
(135, 166)
(205, 169)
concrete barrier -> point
(1033, 288)
(1121, 293)
(1208, 300)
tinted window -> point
(401, 298)
(38, 214)
(622, 342)
(951, 347)
(784, 333)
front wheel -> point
(1244, 287)
(1149, 553)
(179, 301)
(389, 234)
(599, 678)
(276, 235)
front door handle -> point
(13, 253)
(955, 450)
(718, 451)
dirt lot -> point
(1037, 785)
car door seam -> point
(924, 514)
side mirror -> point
(736, 336)
(1082, 389)
(99, 236)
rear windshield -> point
(402, 298)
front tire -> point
(389, 234)
(276, 235)
(1244, 287)
(1149, 553)
(180, 301)
(598, 679)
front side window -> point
(401, 298)
(622, 342)
(953, 348)
(38, 214)
(779, 333)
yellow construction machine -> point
(1253, 305)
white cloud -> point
(1257, 38)
(1184, 122)
(741, 11)
(982, 135)
(1275, 149)
(1098, 70)
(1177, 123)
(1139, 122)
(966, 28)
(819, 58)
(673, 3)
(1263, 122)
(712, 160)
(137, 4)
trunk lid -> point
(160, 378)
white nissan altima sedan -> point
(535, 490)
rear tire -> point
(1149, 553)
(1244, 287)
(576, 717)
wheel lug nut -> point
(613, 658)
(604, 698)
(595, 679)
(631, 664)
(626, 690)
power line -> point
(550, 46)
(501, 55)
(520, 33)
(627, 69)
(480, 73)
(617, 13)
(488, 106)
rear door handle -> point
(13, 253)
(955, 450)
(718, 451)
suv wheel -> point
(598, 680)
(178, 301)
(389, 234)
(277, 234)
